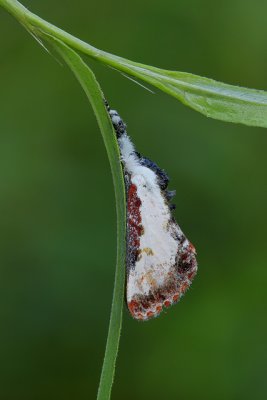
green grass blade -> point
(207, 96)
(93, 91)
(213, 99)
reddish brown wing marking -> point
(134, 225)
(144, 307)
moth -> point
(161, 262)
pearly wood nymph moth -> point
(161, 262)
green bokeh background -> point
(58, 228)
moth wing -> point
(161, 261)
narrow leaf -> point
(207, 96)
(93, 91)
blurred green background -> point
(57, 225)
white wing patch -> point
(158, 245)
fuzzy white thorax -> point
(132, 163)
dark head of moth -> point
(161, 262)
